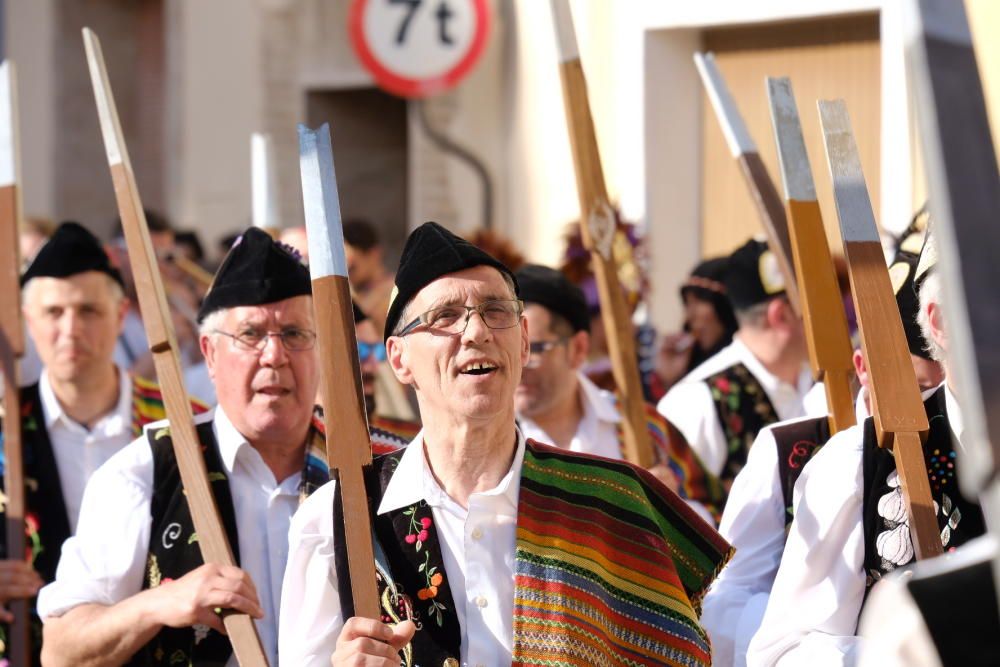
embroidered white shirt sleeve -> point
(754, 523)
(812, 613)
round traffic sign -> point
(415, 48)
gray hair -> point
(115, 289)
(211, 323)
(930, 292)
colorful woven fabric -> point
(147, 404)
(610, 566)
(388, 435)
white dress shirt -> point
(754, 523)
(104, 561)
(79, 451)
(812, 614)
(477, 546)
(597, 432)
(689, 405)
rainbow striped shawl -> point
(610, 566)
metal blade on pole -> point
(762, 189)
(827, 334)
(900, 417)
(964, 186)
(212, 539)
(342, 394)
(11, 350)
(264, 182)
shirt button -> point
(481, 602)
(477, 533)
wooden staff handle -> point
(11, 350)
(597, 227)
(212, 539)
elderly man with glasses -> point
(131, 587)
(493, 549)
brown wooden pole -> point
(11, 350)
(212, 539)
(900, 417)
(349, 452)
(597, 227)
(824, 318)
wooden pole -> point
(163, 344)
(900, 417)
(762, 189)
(11, 350)
(343, 399)
(597, 229)
(823, 314)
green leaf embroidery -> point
(193, 538)
(216, 477)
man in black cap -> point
(83, 409)
(558, 404)
(850, 495)
(131, 585)
(760, 509)
(760, 378)
(486, 540)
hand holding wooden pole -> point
(762, 189)
(900, 417)
(163, 344)
(597, 229)
(823, 313)
(348, 443)
(11, 350)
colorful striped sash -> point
(610, 566)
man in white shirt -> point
(558, 404)
(82, 409)
(759, 379)
(481, 560)
(760, 505)
(131, 585)
(851, 528)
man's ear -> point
(859, 367)
(578, 346)
(936, 319)
(525, 342)
(208, 351)
(397, 353)
(123, 305)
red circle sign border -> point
(417, 88)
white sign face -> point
(417, 47)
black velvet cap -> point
(71, 250)
(430, 252)
(902, 274)
(753, 275)
(257, 270)
(553, 290)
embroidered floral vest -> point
(46, 521)
(575, 511)
(886, 526)
(797, 443)
(743, 409)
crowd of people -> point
(507, 526)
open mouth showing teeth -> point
(479, 368)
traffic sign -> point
(416, 48)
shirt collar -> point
(954, 411)
(770, 382)
(595, 401)
(113, 423)
(229, 439)
(413, 481)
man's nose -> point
(475, 328)
(274, 352)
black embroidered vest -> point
(797, 443)
(46, 520)
(886, 527)
(743, 409)
(174, 551)
(407, 549)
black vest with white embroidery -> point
(886, 526)
(174, 550)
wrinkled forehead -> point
(88, 286)
(468, 287)
(297, 311)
